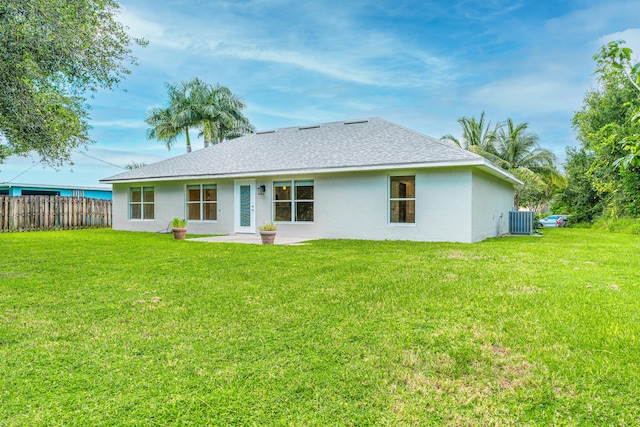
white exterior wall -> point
(347, 205)
(356, 206)
(170, 202)
(492, 201)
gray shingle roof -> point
(362, 144)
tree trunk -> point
(186, 131)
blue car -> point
(554, 221)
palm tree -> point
(477, 136)
(513, 148)
(516, 147)
(180, 114)
(195, 103)
(517, 150)
(184, 109)
(221, 115)
(162, 127)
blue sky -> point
(422, 64)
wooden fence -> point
(35, 213)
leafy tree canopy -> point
(51, 53)
(478, 136)
(620, 78)
(514, 148)
(580, 198)
(213, 109)
(608, 127)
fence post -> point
(4, 213)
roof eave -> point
(481, 162)
(497, 171)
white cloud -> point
(344, 52)
(156, 33)
(533, 93)
(300, 116)
(631, 36)
(140, 27)
(486, 9)
(595, 19)
(119, 123)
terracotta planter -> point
(268, 237)
(179, 233)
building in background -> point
(10, 189)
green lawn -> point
(119, 329)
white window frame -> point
(201, 202)
(142, 203)
(392, 199)
(293, 200)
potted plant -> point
(268, 233)
(179, 228)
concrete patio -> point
(252, 239)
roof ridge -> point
(436, 140)
(314, 125)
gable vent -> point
(309, 127)
(265, 131)
(356, 122)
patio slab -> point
(252, 239)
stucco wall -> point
(353, 206)
(492, 201)
(170, 203)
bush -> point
(268, 227)
(178, 223)
(621, 225)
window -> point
(402, 199)
(39, 193)
(141, 201)
(202, 202)
(293, 203)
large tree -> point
(608, 128)
(180, 114)
(517, 150)
(221, 114)
(215, 110)
(579, 198)
(614, 58)
(514, 148)
(477, 135)
(51, 53)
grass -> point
(119, 329)
(620, 225)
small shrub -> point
(268, 227)
(178, 223)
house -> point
(363, 179)
(10, 189)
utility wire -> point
(100, 160)
(78, 152)
(23, 172)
